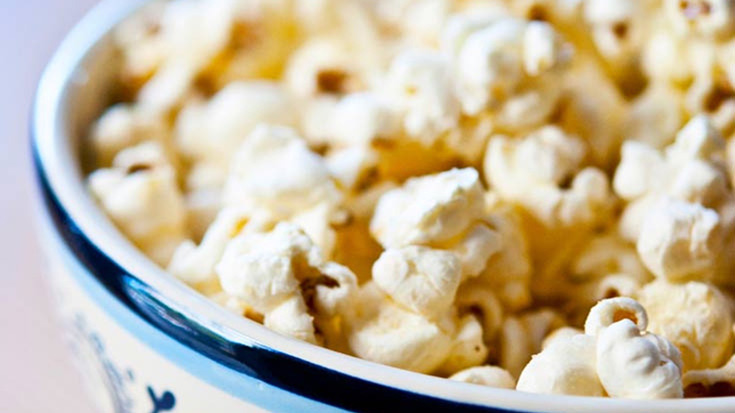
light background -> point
(35, 373)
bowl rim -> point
(55, 161)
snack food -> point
(443, 186)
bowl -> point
(145, 342)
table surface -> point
(35, 372)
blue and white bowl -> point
(147, 343)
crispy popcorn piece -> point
(531, 171)
(655, 116)
(502, 63)
(637, 366)
(385, 333)
(560, 334)
(490, 376)
(681, 241)
(565, 366)
(612, 310)
(607, 254)
(696, 317)
(716, 382)
(123, 126)
(281, 274)
(213, 131)
(323, 65)
(481, 302)
(358, 119)
(521, 337)
(140, 194)
(705, 18)
(468, 347)
(421, 279)
(691, 169)
(428, 209)
(631, 362)
(275, 170)
(418, 86)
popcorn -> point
(121, 127)
(420, 279)
(418, 86)
(383, 332)
(522, 336)
(566, 366)
(429, 209)
(703, 332)
(490, 376)
(139, 193)
(468, 348)
(281, 274)
(315, 167)
(360, 118)
(322, 65)
(631, 362)
(498, 63)
(716, 382)
(712, 18)
(273, 169)
(681, 241)
(530, 172)
(690, 170)
(213, 131)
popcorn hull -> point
(145, 342)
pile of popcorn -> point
(528, 194)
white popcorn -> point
(382, 332)
(565, 366)
(275, 170)
(508, 271)
(680, 241)
(506, 65)
(716, 382)
(421, 279)
(322, 65)
(547, 156)
(655, 116)
(468, 347)
(612, 25)
(213, 131)
(360, 118)
(694, 316)
(476, 247)
(632, 362)
(480, 301)
(560, 334)
(418, 86)
(195, 264)
(353, 166)
(522, 336)
(290, 318)
(612, 310)
(428, 209)
(707, 18)
(530, 172)
(490, 376)
(141, 196)
(191, 33)
(123, 126)
(607, 254)
(637, 366)
(691, 169)
(268, 271)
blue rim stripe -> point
(277, 369)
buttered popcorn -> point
(533, 195)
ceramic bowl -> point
(145, 342)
